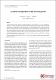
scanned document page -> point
(27, 40)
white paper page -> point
(28, 40)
